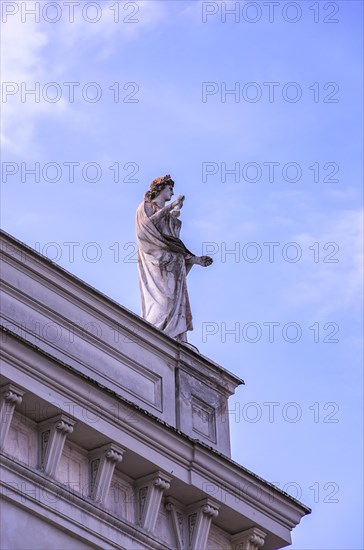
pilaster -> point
(178, 522)
(199, 517)
(150, 491)
(102, 465)
(252, 539)
(191, 525)
(52, 434)
(11, 396)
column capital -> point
(162, 482)
(251, 539)
(210, 510)
(65, 425)
(12, 394)
(114, 453)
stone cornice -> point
(25, 258)
(142, 403)
(82, 328)
(192, 463)
(247, 488)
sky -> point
(255, 110)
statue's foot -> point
(191, 346)
(182, 339)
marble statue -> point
(164, 261)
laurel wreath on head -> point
(157, 185)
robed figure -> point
(164, 261)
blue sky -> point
(149, 100)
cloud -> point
(117, 23)
(22, 46)
(36, 53)
(331, 279)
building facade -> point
(113, 435)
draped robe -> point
(163, 262)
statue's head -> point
(157, 186)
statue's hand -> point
(204, 261)
(178, 203)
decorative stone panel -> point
(202, 411)
(22, 440)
